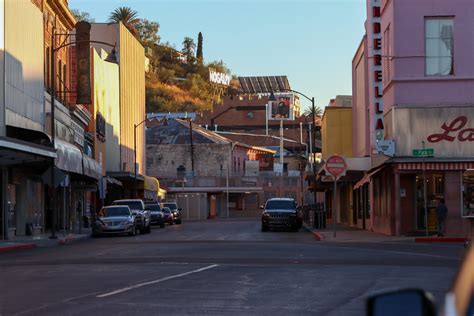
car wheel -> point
(264, 228)
(162, 225)
(133, 232)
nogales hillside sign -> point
(219, 78)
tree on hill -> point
(199, 56)
(148, 32)
(127, 16)
(82, 16)
(188, 50)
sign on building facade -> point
(282, 108)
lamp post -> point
(111, 58)
(313, 136)
(135, 126)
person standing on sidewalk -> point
(441, 213)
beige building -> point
(131, 58)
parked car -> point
(115, 220)
(281, 213)
(137, 207)
(168, 215)
(157, 215)
(174, 209)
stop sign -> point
(336, 165)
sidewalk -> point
(351, 234)
(43, 240)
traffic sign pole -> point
(336, 166)
(334, 207)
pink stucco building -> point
(413, 88)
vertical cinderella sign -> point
(375, 27)
(83, 61)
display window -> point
(468, 193)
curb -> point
(441, 239)
(16, 247)
(71, 239)
(317, 236)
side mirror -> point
(261, 207)
(410, 302)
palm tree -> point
(127, 16)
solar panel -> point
(264, 84)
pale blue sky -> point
(310, 41)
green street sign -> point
(427, 152)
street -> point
(222, 267)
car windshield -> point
(114, 211)
(166, 210)
(133, 205)
(153, 207)
(280, 205)
(172, 206)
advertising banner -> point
(282, 108)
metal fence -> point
(315, 215)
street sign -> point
(336, 165)
(427, 152)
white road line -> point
(128, 288)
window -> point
(439, 47)
(387, 56)
(47, 70)
(468, 194)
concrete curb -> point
(317, 236)
(440, 239)
(16, 247)
(72, 238)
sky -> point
(310, 41)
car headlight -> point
(127, 222)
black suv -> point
(281, 213)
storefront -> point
(434, 159)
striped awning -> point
(442, 166)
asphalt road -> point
(222, 267)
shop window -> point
(468, 194)
(439, 46)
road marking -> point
(128, 288)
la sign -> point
(455, 130)
(448, 130)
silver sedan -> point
(117, 219)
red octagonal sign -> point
(336, 165)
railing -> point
(315, 215)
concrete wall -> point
(360, 103)
(131, 56)
(410, 85)
(162, 160)
(106, 101)
(132, 99)
(24, 67)
(337, 132)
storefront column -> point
(4, 213)
(397, 205)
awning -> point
(92, 168)
(151, 187)
(14, 151)
(162, 193)
(113, 181)
(69, 157)
(367, 176)
(441, 166)
(215, 189)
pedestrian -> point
(441, 213)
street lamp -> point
(135, 191)
(313, 136)
(111, 58)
